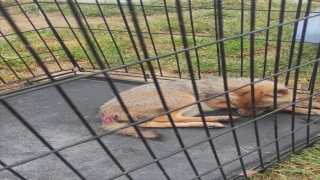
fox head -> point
(264, 97)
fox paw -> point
(150, 135)
(213, 125)
(227, 119)
(145, 134)
(234, 118)
(315, 112)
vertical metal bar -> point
(241, 38)
(195, 90)
(17, 53)
(171, 36)
(267, 40)
(111, 35)
(299, 58)
(276, 70)
(194, 39)
(293, 41)
(13, 171)
(131, 38)
(92, 34)
(75, 35)
(311, 86)
(150, 35)
(252, 75)
(217, 34)
(70, 56)
(146, 56)
(225, 82)
(44, 42)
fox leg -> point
(155, 124)
(118, 119)
(129, 130)
(299, 110)
(186, 115)
(305, 104)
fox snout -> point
(108, 119)
(244, 112)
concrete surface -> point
(49, 114)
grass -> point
(302, 166)
(203, 23)
(118, 49)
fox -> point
(144, 102)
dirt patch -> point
(37, 21)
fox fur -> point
(143, 102)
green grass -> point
(304, 165)
(203, 23)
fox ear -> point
(280, 92)
(240, 91)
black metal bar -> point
(252, 75)
(267, 40)
(194, 85)
(131, 39)
(157, 87)
(224, 75)
(91, 33)
(146, 55)
(150, 35)
(217, 34)
(171, 36)
(194, 39)
(75, 35)
(37, 31)
(241, 39)
(65, 48)
(311, 89)
(295, 85)
(276, 70)
(293, 41)
(111, 35)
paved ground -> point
(49, 114)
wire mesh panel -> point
(162, 66)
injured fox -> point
(143, 102)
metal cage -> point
(60, 60)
